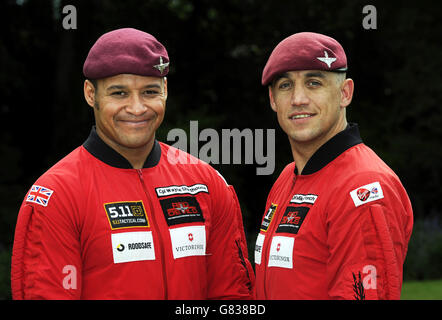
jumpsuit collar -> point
(334, 147)
(100, 150)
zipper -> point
(270, 232)
(243, 262)
(155, 227)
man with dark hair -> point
(120, 217)
(337, 220)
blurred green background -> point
(217, 51)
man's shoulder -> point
(362, 169)
(287, 172)
(361, 160)
(66, 169)
(59, 181)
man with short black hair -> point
(337, 220)
(120, 217)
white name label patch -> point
(368, 193)
(258, 248)
(188, 241)
(171, 190)
(304, 198)
(132, 246)
(281, 252)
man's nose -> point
(299, 96)
(136, 106)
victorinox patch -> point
(281, 252)
(178, 210)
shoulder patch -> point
(39, 195)
(368, 193)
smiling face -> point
(128, 110)
(310, 105)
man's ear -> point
(165, 88)
(272, 100)
(89, 93)
(347, 89)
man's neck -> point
(136, 156)
(303, 151)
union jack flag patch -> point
(39, 195)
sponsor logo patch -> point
(188, 241)
(258, 248)
(304, 198)
(368, 193)
(178, 210)
(174, 190)
(268, 217)
(132, 246)
(128, 214)
(292, 219)
(39, 195)
(281, 252)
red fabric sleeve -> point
(229, 270)
(46, 261)
(368, 245)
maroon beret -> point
(305, 51)
(126, 51)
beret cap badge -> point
(161, 66)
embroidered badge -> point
(368, 193)
(39, 195)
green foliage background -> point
(218, 50)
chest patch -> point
(304, 198)
(188, 241)
(281, 252)
(132, 246)
(292, 219)
(128, 214)
(368, 193)
(178, 210)
(268, 217)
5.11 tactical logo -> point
(127, 214)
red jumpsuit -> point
(94, 228)
(339, 230)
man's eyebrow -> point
(314, 74)
(115, 87)
(120, 87)
(152, 86)
(280, 76)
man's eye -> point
(151, 92)
(285, 85)
(118, 93)
(314, 83)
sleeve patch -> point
(368, 193)
(39, 195)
